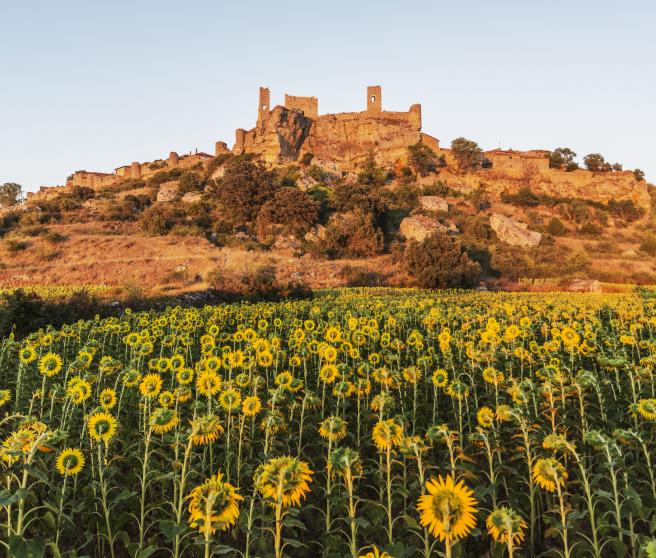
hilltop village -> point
(333, 199)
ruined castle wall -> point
(309, 106)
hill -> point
(330, 200)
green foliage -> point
(555, 227)
(595, 162)
(190, 181)
(625, 209)
(159, 219)
(467, 153)
(440, 261)
(362, 198)
(639, 175)
(370, 173)
(295, 209)
(523, 198)
(648, 244)
(245, 187)
(16, 245)
(355, 235)
(562, 158)
(423, 159)
(10, 194)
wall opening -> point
(373, 98)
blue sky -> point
(94, 85)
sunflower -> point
(549, 473)
(213, 505)
(131, 377)
(107, 398)
(17, 445)
(458, 390)
(503, 413)
(448, 510)
(206, 429)
(50, 364)
(163, 419)
(183, 394)
(345, 462)
(440, 378)
(208, 383)
(485, 417)
(506, 526)
(5, 396)
(333, 428)
(230, 399)
(284, 379)
(375, 553)
(387, 434)
(647, 408)
(70, 461)
(166, 398)
(328, 373)
(251, 406)
(184, 376)
(27, 354)
(492, 376)
(283, 480)
(150, 386)
(78, 391)
(265, 359)
(102, 426)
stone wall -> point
(309, 106)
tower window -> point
(373, 98)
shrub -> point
(523, 198)
(244, 189)
(626, 209)
(16, 245)
(159, 219)
(10, 194)
(360, 197)
(555, 227)
(639, 175)
(595, 162)
(422, 159)
(296, 210)
(190, 181)
(256, 284)
(352, 235)
(590, 229)
(648, 245)
(370, 173)
(440, 261)
(307, 159)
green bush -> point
(353, 235)
(440, 261)
(555, 227)
(423, 159)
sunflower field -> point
(359, 423)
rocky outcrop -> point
(192, 197)
(434, 203)
(168, 192)
(514, 232)
(418, 227)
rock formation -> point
(514, 232)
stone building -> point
(286, 133)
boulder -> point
(514, 232)
(433, 203)
(168, 192)
(192, 197)
(584, 286)
(418, 227)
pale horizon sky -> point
(90, 85)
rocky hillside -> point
(215, 222)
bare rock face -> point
(434, 203)
(168, 191)
(418, 227)
(192, 197)
(584, 286)
(514, 232)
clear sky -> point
(94, 85)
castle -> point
(287, 133)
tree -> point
(422, 159)
(10, 194)
(617, 167)
(595, 162)
(352, 235)
(291, 207)
(467, 153)
(359, 197)
(370, 173)
(440, 261)
(190, 181)
(562, 158)
(245, 187)
(639, 175)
